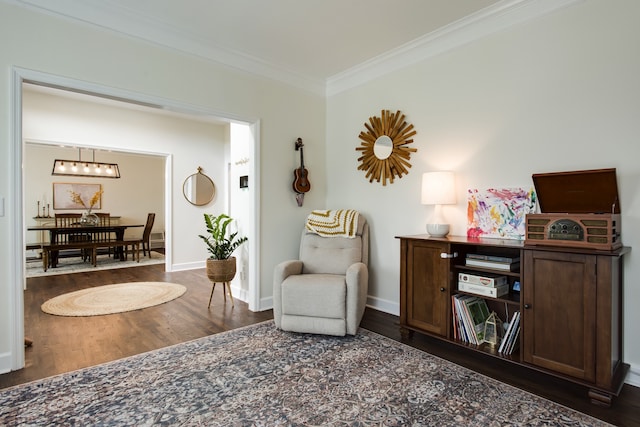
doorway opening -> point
(133, 100)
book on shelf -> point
(495, 258)
(486, 291)
(510, 338)
(495, 265)
(460, 316)
(515, 342)
(487, 279)
(470, 314)
(507, 333)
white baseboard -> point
(633, 377)
(383, 305)
(5, 363)
(266, 304)
(187, 266)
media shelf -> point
(511, 298)
(550, 280)
(487, 349)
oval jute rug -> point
(111, 299)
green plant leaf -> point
(219, 245)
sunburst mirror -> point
(385, 147)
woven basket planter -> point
(221, 270)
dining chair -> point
(71, 220)
(146, 234)
(104, 220)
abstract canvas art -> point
(499, 213)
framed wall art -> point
(67, 196)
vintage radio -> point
(579, 209)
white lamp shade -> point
(438, 188)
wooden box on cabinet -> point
(571, 305)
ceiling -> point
(313, 44)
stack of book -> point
(469, 316)
(510, 340)
(503, 263)
(487, 285)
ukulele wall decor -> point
(301, 182)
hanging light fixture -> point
(84, 168)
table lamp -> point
(438, 188)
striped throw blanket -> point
(333, 223)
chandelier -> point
(85, 168)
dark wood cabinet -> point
(559, 307)
(426, 287)
(570, 302)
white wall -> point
(60, 47)
(559, 93)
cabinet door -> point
(427, 300)
(559, 312)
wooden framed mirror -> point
(384, 146)
(198, 188)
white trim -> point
(266, 303)
(15, 359)
(121, 20)
(184, 266)
(490, 20)
(633, 377)
(168, 210)
(386, 306)
(253, 299)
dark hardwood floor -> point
(63, 344)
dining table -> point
(118, 231)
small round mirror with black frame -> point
(198, 188)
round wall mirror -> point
(198, 188)
(383, 147)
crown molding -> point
(490, 20)
(124, 21)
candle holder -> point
(38, 211)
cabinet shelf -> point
(488, 349)
(512, 298)
(487, 270)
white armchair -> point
(325, 290)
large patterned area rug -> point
(77, 265)
(260, 376)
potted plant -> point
(221, 266)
